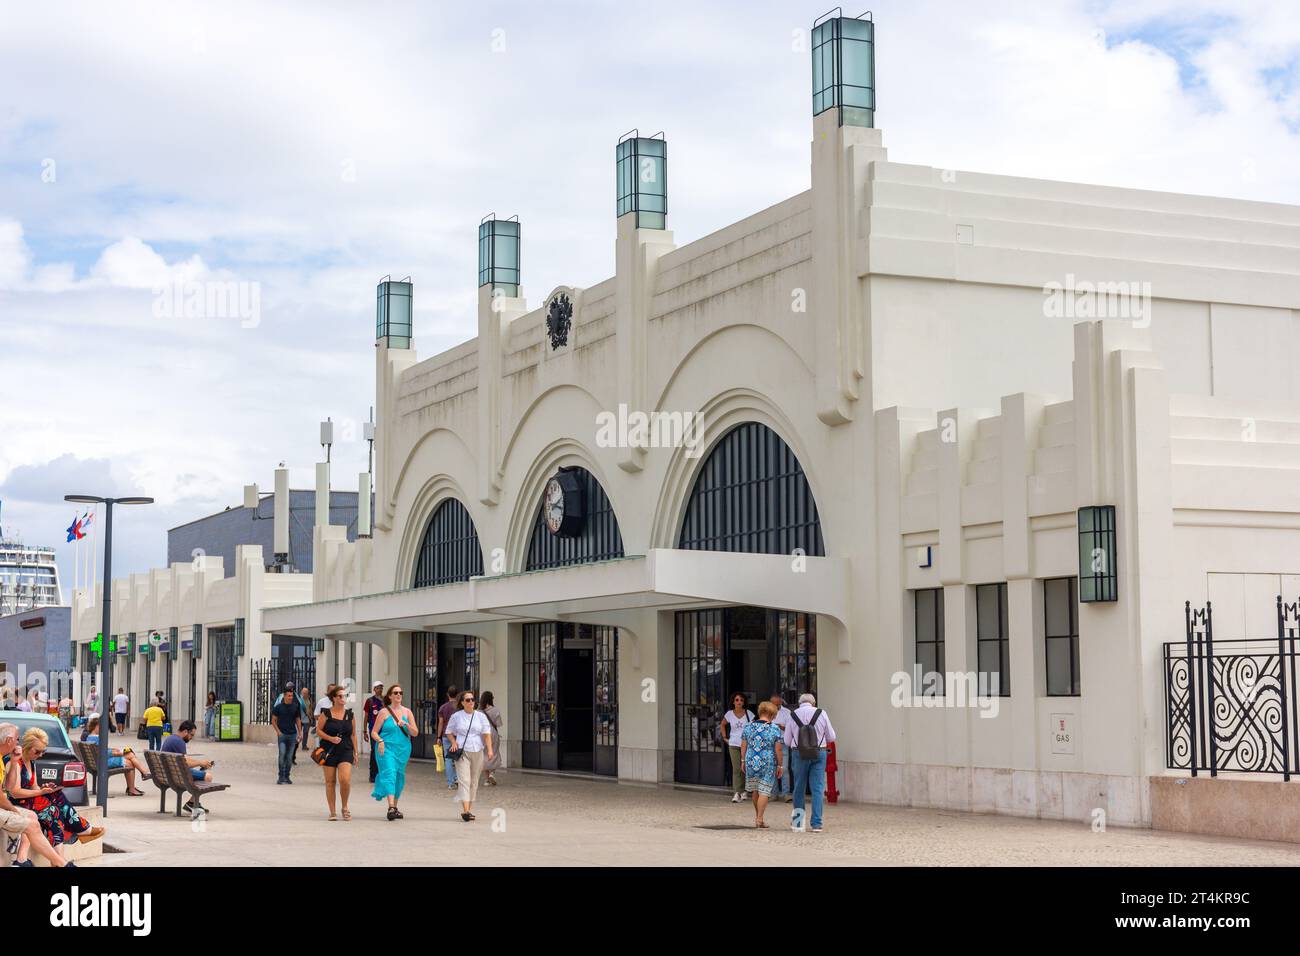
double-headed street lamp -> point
(102, 783)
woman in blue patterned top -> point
(760, 754)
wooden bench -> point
(88, 754)
(170, 772)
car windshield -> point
(58, 739)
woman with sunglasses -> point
(58, 818)
(338, 735)
(471, 734)
(394, 727)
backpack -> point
(809, 746)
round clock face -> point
(553, 505)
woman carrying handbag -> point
(470, 733)
(338, 750)
(391, 737)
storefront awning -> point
(663, 579)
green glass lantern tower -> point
(393, 313)
(641, 175)
(844, 68)
(498, 254)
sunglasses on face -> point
(38, 753)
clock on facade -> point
(562, 505)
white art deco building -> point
(909, 425)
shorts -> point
(197, 773)
(115, 762)
(12, 821)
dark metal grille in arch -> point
(450, 550)
(752, 496)
(599, 540)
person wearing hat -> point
(286, 718)
(374, 704)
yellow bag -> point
(437, 755)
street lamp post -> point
(102, 782)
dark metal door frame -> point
(540, 738)
(703, 682)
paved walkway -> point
(535, 819)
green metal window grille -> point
(1098, 571)
(498, 254)
(239, 637)
(641, 177)
(173, 642)
(844, 68)
(198, 641)
(393, 312)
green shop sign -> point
(97, 645)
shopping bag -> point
(437, 755)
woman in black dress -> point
(338, 735)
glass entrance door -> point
(570, 704)
(749, 650)
(540, 740)
(605, 652)
(438, 663)
(422, 692)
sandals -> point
(332, 818)
(135, 793)
(94, 833)
(392, 813)
(761, 826)
(466, 817)
(347, 814)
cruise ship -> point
(29, 577)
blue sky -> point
(311, 148)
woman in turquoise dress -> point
(391, 736)
(760, 754)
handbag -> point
(460, 751)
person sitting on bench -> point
(119, 757)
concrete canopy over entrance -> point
(664, 579)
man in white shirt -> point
(121, 703)
(809, 769)
(781, 721)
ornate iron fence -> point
(268, 677)
(1231, 705)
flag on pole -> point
(74, 530)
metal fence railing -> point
(1231, 705)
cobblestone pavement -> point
(536, 819)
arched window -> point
(597, 537)
(752, 496)
(450, 550)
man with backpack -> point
(807, 735)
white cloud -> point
(130, 263)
